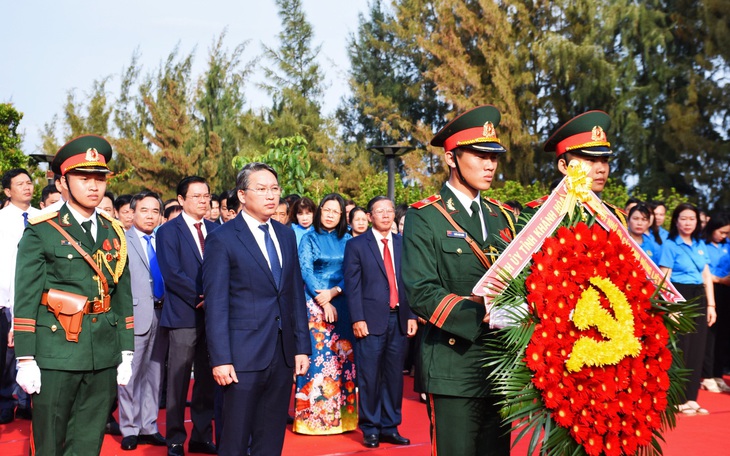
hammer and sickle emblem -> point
(618, 331)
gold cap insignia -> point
(597, 134)
(92, 155)
(489, 131)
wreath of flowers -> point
(594, 363)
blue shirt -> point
(299, 231)
(719, 258)
(686, 262)
(663, 234)
(650, 246)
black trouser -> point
(718, 335)
(693, 344)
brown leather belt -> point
(477, 299)
(92, 307)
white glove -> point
(29, 376)
(124, 370)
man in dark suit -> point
(256, 317)
(180, 251)
(381, 320)
(139, 399)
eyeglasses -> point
(326, 210)
(198, 196)
(263, 191)
(383, 211)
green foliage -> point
(10, 154)
(513, 190)
(289, 158)
(377, 184)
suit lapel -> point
(134, 242)
(373, 245)
(397, 243)
(188, 236)
(249, 242)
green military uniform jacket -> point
(47, 260)
(438, 267)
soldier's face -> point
(146, 215)
(599, 169)
(477, 168)
(85, 189)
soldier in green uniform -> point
(450, 239)
(582, 138)
(73, 308)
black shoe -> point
(152, 439)
(370, 441)
(24, 413)
(129, 442)
(202, 447)
(112, 427)
(7, 415)
(175, 449)
(395, 439)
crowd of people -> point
(259, 296)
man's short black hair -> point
(47, 191)
(374, 200)
(121, 201)
(11, 174)
(142, 195)
(232, 201)
(182, 187)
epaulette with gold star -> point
(426, 202)
(42, 218)
(537, 203)
(499, 204)
(109, 218)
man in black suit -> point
(256, 317)
(381, 320)
(180, 252)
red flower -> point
(607, 409)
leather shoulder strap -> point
(473, 245)
(83, 254)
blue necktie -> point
(158, 285)
(25, 218)
(271, 252)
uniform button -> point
(93, 320)
(278, 318)
(54, 328)
(70, 256)
(458, 250)
(452, 341)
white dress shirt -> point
(12, 225)
(466, 202)
(190, 222)
(253, 225)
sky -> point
(53, 46)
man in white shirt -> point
(18, 187)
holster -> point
(68, 309)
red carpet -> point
(696, 435)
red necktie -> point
(390, 272)
(201, 238)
